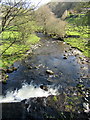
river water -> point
(53, 55)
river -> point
(51, 54)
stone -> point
(64, 57)
(6, 76)
(66, 51)
(39, 45)
(70, 49)
(10, 70)
(29, 67)
(15, 68)
(50, 72)
(44, 87)
(30, 51)
(36, 67)
(86, 107)
(87, 60)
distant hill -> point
(58, 8)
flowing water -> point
(27, 91)
(25, 82)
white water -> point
(27, 91)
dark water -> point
(48, 56)
(67, 72)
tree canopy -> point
(49, 22)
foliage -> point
(49, 22)
(81, 42)
(78, 25)
(17, 30)
(82, 7)
(55, 98)
(17, 50)
(42, 16)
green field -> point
(17, 50)
(76, 27)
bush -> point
(49, 22)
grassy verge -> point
(82, 42)
(17, 50)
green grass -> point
(79, 43)
(17, 50)
(10, 34)
(82, 31)
(32, 39)
(55, 98)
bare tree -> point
(50, 23)
(11, 10)
(42, 15)
(16, 15)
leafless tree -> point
(11, 10)
(16, 14)
(50, 23)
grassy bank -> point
(76, 28)
(17, 50)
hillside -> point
(59, 7)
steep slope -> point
(59, 7)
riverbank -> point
(77, 33)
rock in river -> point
(44, 87)
(65, 57)
(50, 72)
